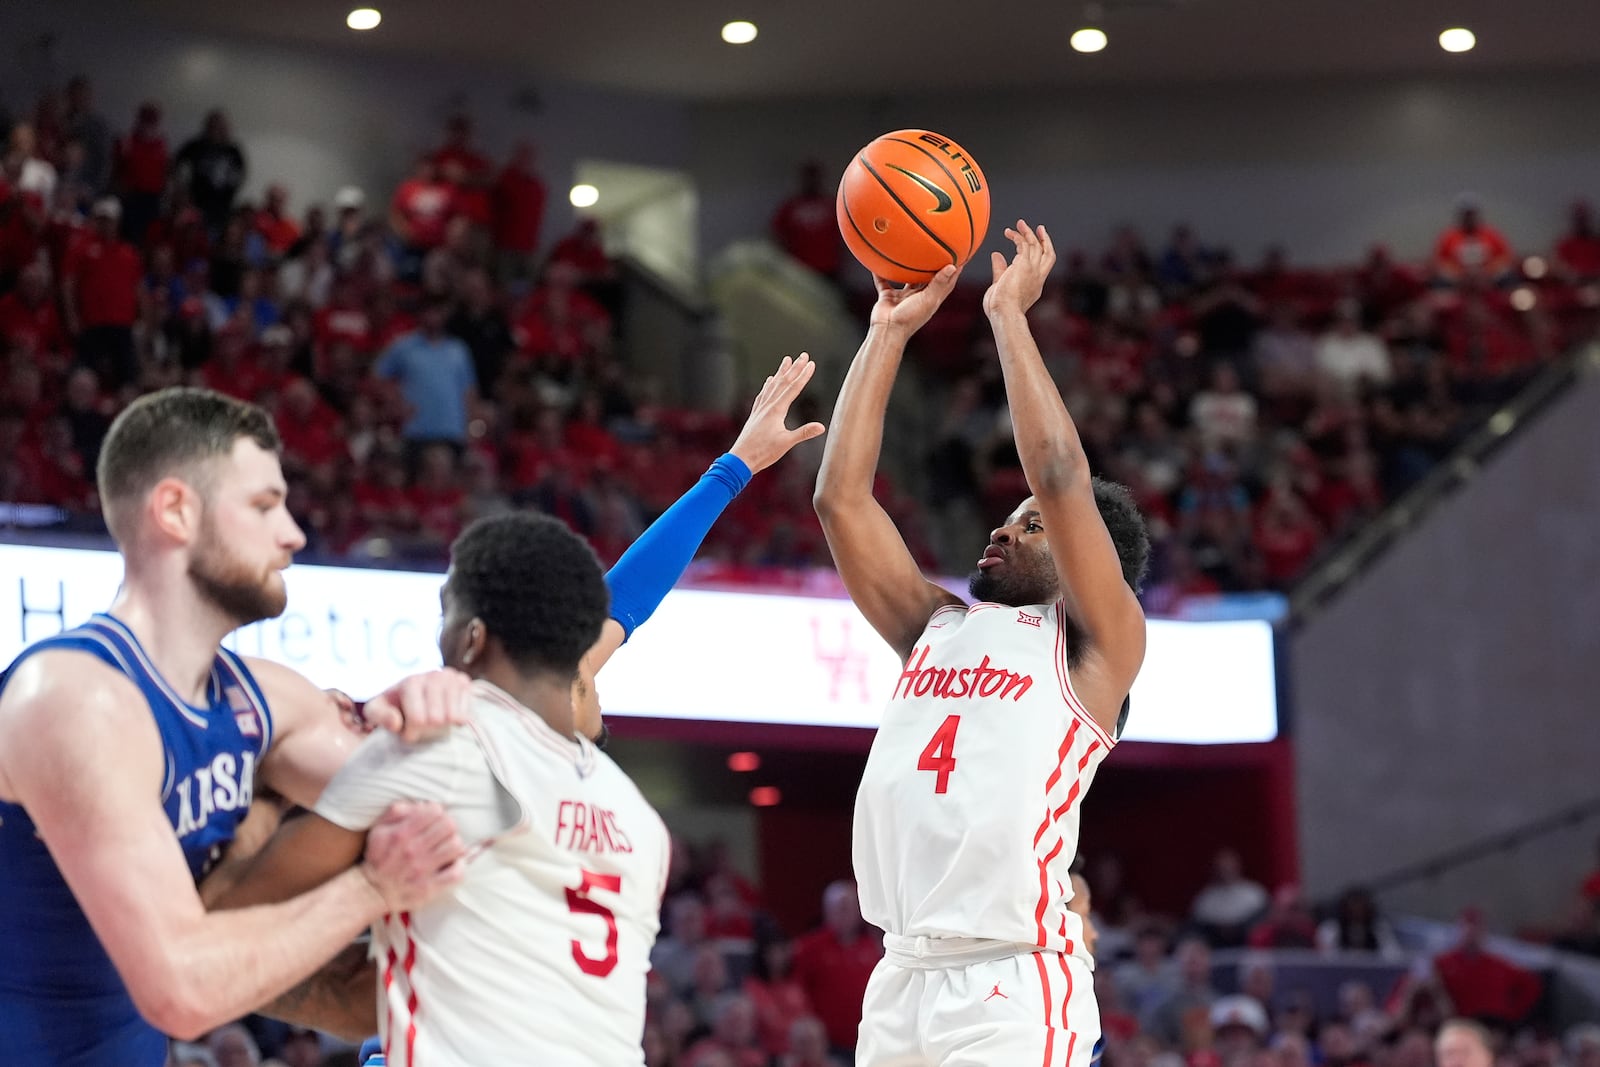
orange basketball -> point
(912, 203)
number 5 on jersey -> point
(581, 903)
(940, 755)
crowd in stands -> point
(1259, 414)
(426, 365)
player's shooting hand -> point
(908, 308)
(413, 855)
(1017, 285)
(765, 439)
(422, 706)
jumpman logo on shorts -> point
(995, 992)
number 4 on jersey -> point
(940, 755)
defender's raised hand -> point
(909, 307)
(1017, 285)
(765, 439)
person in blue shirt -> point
(435, 374)
(131, 748)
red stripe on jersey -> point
(1061, 756)
(411, 1005)
(1067, 692)
(1049, 1031)
(1066, 1000)
(388, 1001)
(1072, 794)
(1044, 890)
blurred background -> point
(1328, 302)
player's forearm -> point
(1046, 437)
(850, 458)
(235, 961)
(340, 999)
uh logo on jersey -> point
(959, 683)
(228, 784)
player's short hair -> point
(169, 433)
(535, 584)
(1126, 526)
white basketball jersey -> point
(540, 955)
(966, 821)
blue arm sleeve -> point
(653, 564)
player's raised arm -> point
(652, 565)
(91, 783)
(877, 568)
(1099, 600)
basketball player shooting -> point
(540, 956)
(130, 749)
(967, 815)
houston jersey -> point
(62, 1002)
(540, 955)
(966, 821)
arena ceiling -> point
(874, 47)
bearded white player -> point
(967, 817)
(540, 956)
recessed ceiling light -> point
(1457, 40)
(1089, 39)
(739, 32)
(584, 196)
(364, 18)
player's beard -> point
(1019, 581)
(243, 594)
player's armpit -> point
(340, 999)
(305, 852)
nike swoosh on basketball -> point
(943, 198)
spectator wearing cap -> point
(139, 171)
(434, 374)
(1471, 253)
(24, 168)
(100, 290)
(1464, 1043)
(1240, 1026)
(1482, 985)
(1230, 903)
(211, 166)
(349, 222)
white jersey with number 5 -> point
(966, 821)
(540, 955)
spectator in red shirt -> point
(101, 289)
(1288, 922)
(1471, 252)
(518, 199)
(807, 226)
(139, 171)
(311, 432)
(28, 315)
(1578, 253)
(278, 229)
(733, 1035)
(583, 250)
(421, 209)
(779, 998)
(1482, 346)
(1484, 986)
(437, 497)
(467, 171)
(833, 963)
(1287, 536)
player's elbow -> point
(173, 1006)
